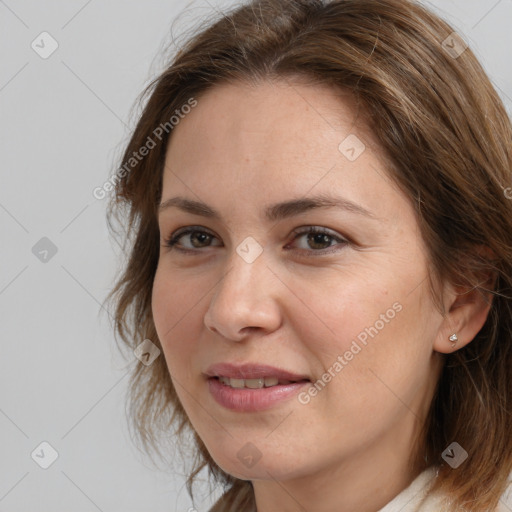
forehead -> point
(275, 115)
(275, 140)
(274, 119)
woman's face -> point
(337, 325)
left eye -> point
(319, 238)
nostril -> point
(212, 329)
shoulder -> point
(506, 499)
(416, 498)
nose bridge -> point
(245, 277)
(243, 297)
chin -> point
(255, 461)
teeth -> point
(270, 381)
(254, 383)
(237, 383)
(251, 383)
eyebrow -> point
(273, 212)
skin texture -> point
(245, 147)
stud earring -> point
(453, 338)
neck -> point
(365, 482)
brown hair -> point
(449, 141)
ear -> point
(467, 309)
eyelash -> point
(172, 241)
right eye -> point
(198, 239)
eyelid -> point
(309, 228)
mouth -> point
(252, 387)
(252, 375)
(265, 382)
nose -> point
(245, 300)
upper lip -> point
(251, 371)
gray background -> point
(63, 122)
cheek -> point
(173, 298)
(332, 318)
(175, 308)
(382, 374)
(163, 302)
(364, 339)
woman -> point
(322, 252)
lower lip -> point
(252, 400)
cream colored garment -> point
(415, 498)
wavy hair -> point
(449, 142)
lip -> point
(252, 400)
(251, 371)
